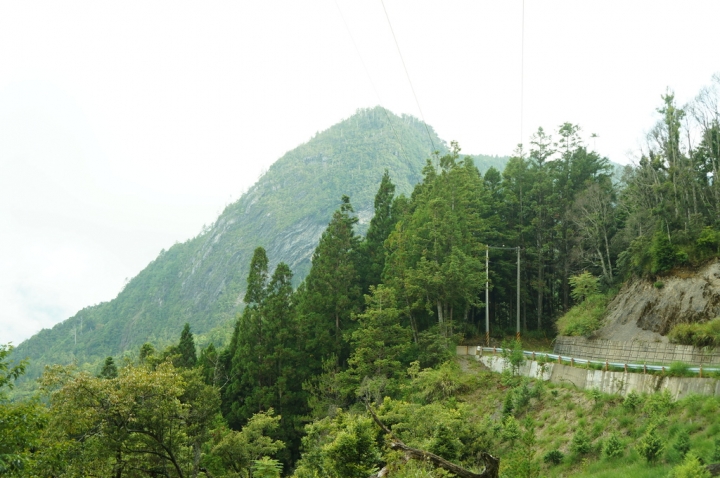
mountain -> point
(202, 280)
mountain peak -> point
(202, 281)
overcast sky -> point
(127, 126)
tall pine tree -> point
(372, 249)
(331, 291)
(186, 349)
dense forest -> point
(332, 378)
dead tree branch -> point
(492, 464)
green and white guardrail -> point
(606, 365)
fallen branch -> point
(492, 464)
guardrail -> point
(644, 368)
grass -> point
(560, 410)
(704, 334)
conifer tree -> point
(372, 250)
(434, 260)
(109, 369)
(257, 278)
(266, 368)
(331, 292)
(186, 349)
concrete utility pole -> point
(517, 327)
(487, 296)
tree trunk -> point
(607, 250)
(540, 292)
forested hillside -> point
(351, 375)
(202, 281)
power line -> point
(407, 74)
(367, 72)
(522, 73)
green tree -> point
(691, 467)
(583, 286)
(331, 291)
(580, 443)
(257, 278)
(434, 260)
(147, 420)
(147, 352)
(445, 443)
(20, 422)
(650, 445)
(239, 451)
(682, 444)
(266, 370)
(266, 467)
(662, 252)
(510, 430)
(109, 369)
(339, 447)
(186, 349)
(372, 250)
(613, 447)
(381, 342)
(211, 365)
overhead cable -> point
(367, 72)
(522, 73)
(408, 75)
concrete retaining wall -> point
(634, 352)
(608, 382)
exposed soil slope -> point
(644, 311)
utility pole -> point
(517, 326)
(487, 296)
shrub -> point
(512, 352)
(613, 447)
(716, 451)
(682, 444)
(580, 443)
(511, 430)
(658, 404)
(632, 400)
(521, 396)
(662, 252)
(553, 457)
(704, 334)
(659, 284)
(650, 445)
(691, 467)
(445, 443)
(585, 318)
(596, 395)
(508, 405)
(443, 382)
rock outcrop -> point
(647, 310)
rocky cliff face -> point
(647, 310)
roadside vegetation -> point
(702, 334)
